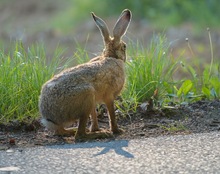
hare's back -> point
(95, 74)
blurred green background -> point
(161, 13)
(69, 23)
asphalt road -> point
(197, 153)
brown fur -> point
(73, 94)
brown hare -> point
(74, 93)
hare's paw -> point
(81, 138)
(117, 131)
(66, 132)
(93, 135)
(94, 128)
(101, 135)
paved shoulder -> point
(197, 153)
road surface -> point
(196, 153)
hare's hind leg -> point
(58, 129)
(81, 132)
(87, 109)
(88, 103)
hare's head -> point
(114, 46)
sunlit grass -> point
(23, 71)
(149, 73)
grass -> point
(149, 78)
(23, 71)
(174, 127)
(147, 72)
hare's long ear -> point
(122, 24)
(102, 27)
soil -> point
(198, 117)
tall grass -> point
(148, 71)
(23, 71)
(149, 77)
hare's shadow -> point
(116, 145)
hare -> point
(74, 93)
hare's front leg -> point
(81, 132)
(112, 120)
(94, 126)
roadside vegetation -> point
(151, 77)
(23, 72)
(150, 73)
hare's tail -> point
(49, 124)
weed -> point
(199, 85)
(174, 127)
